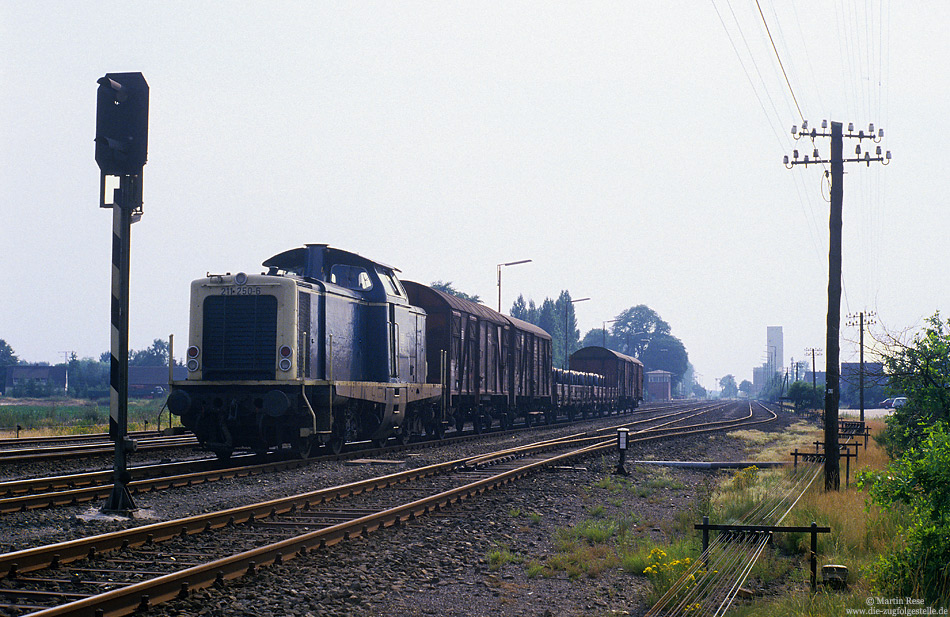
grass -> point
(500, 556)
(61, 416)
(860, 532)
(609, 538)
(777, 446)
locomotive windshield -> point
(351, 277)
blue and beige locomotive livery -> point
(329, 347)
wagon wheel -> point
(435, 430)
(335, 445)
(302, 446)
(223, 454)
(571, 414)
(459, 421)
(477, 423)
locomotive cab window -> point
(351, 277)
(393, 288)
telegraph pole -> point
(813, 351)
(833, 326)
(864, 319)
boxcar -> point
(493, 366)
(621, 372)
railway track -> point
(57, 448)
(74, 489)
(119, 573)
(711, 585)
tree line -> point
(88, 377)
(639, 332)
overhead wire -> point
(773, 117)
(777, 57)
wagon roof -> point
(463, 306)
(529, 327)
(596, 351)
(473, 308)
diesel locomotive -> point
(328, 347)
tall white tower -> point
(776, 349)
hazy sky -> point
(632, 150)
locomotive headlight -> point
(192, 354)
(240, 278)
(285, 353)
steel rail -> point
(25, 455)
(67, 490)
(716, 588)
(140, 595)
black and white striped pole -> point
(121, 146)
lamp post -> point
(566, 314)
(500, 266)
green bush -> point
(921, 372)
(919, 481)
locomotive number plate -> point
(243, 290)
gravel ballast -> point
(438, 564)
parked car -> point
(886, 403)
(900, 401)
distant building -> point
(40, 374)
(152, 380)
(659, 385)
(819, 377)
(776, 348)
(143, 380)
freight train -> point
(328, 347)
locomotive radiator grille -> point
(240, 337)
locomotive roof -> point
(595, 351)
(472, 308)
(299, 256)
